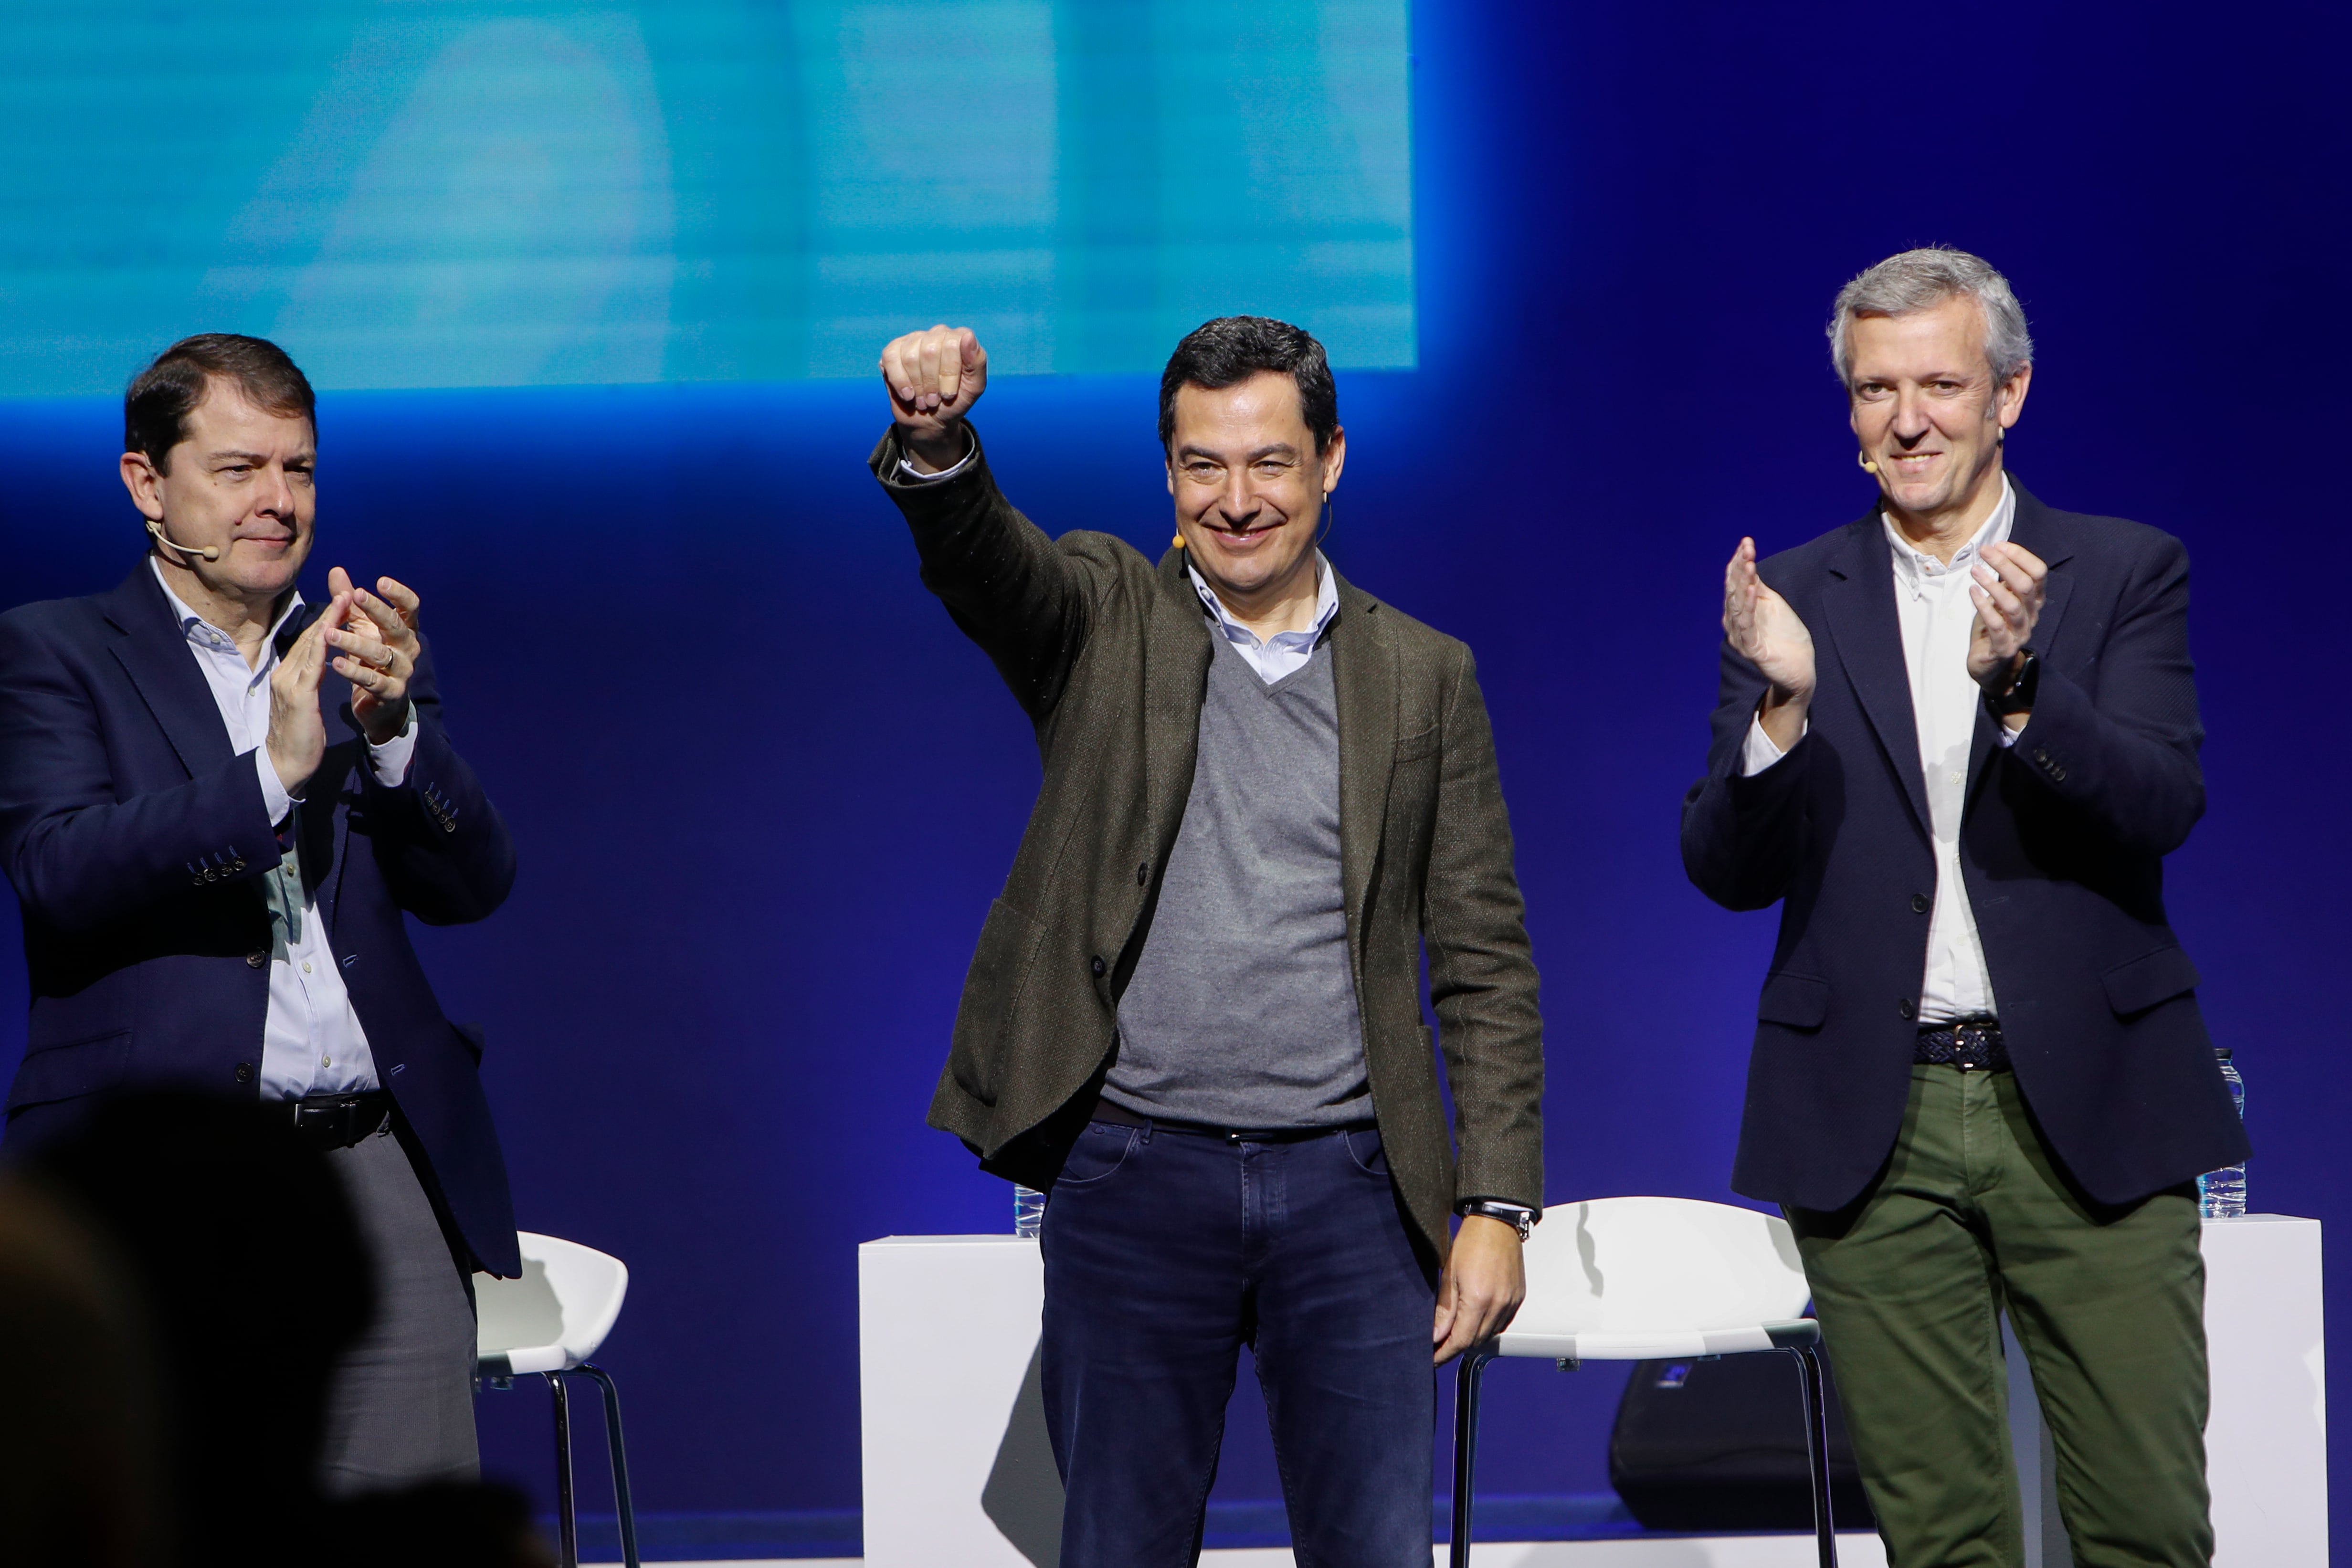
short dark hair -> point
(1231, 349)
(156, 407)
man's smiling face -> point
(1247, 480)
(1924, 404)
(241, 480)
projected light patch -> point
(475, 195)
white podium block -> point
(957, 1466)
(2266, 1439)
(957, 1469)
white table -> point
(957, 1469)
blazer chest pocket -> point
(2150, 978)
(1799, 1002)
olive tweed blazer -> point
(1109, 655)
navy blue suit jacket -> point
(138, 844)
(2061, 847)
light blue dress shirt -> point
(311, 1042)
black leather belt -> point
(339, 1121)
(1973, 1045)
(1120, 1116)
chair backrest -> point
(1631, 1265)
(568, 1297)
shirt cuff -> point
(913, 476)
(1760, 753)
(274, 798)
(390, 760)
(2005, 737)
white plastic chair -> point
(1633, 1278)
(550, 1322)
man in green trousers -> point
(1956, 740)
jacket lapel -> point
(153, 652)
(1860, 606)
(1176, 653)
(2047, 535)
(2045, 532)
(1365, 683)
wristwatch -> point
(1518, 1217)
(2018, 696)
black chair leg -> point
(1465, 1448)
(1817, 1449)
(622, 1502)
(567, 1521)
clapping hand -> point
(1769, 634)
(933, 378)
(377, 646)
(297, 738)
(2009, 586)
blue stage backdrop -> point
(763, 788)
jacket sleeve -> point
(1744, 837)
(2127, 759)
(443, 848)
(80, 858)
(1482, 972)
(1011, 590)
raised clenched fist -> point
(933, 378)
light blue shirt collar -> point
(211, 638)
(1327, 605)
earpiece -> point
(210, 552)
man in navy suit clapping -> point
(212, 882)
(1956, 740)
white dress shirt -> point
(1937, 617)
(311, 1042)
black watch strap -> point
(1518, 1217)
(2019, 698)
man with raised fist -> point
(1194, 1017)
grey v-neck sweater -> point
(1241, 1009)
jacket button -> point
(1918, 903)
(1099, 967)
(237, 865)
(245, 1072)
(256, 959)
(1907, 1008)
(1143, 873)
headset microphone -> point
(210, 552)
(1867, 465)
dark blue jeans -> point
(1165, 1253)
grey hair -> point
(1921, 279)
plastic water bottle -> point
(1029, 1211)
(2221, 1195)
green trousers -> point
(1971, 1217)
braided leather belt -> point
(1973, 1045)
